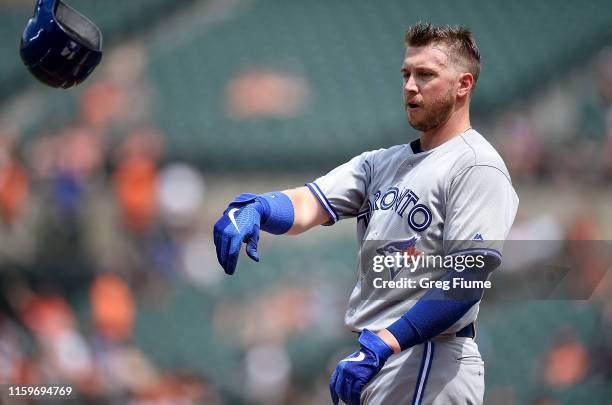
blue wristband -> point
(277, 213)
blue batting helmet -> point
(59, 45)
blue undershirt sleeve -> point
(437, 310)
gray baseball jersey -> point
(458, 191)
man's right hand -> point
(288, 212)
(239, 223)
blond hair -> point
(459, 40)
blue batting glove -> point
(355, 371)
(239, 223)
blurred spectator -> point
(80, 151)
(182, 387)
(266, 93)
(544, 400)
(119, 99)
(65, 354)
(181, 195)
(268, 370)
(603, 75)
(11, 357)
(602, 344)
(566, 362)
(14, 184)
(125, 368)
(532, 240)
(13, 190)
(199, 261)
(136, 187)
(520, 145)
(273, 316)
(113, 308)
(135, 179)
(588, 255)
(102, 102)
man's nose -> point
(410, 85)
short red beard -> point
(436, 113)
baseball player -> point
(447, 186)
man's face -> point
(430, 85)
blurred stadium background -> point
(108, 193)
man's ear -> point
(466, 83)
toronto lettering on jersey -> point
(401, 202)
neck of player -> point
(457, 123)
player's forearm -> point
(424, 321)
(308, 212)
(434, 313)
(390, 340)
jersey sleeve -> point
(480, 209)
(342, 191)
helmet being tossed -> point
(59, 45)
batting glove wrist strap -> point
(370, 340)
(276, 211)
(354, 372)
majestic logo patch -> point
(478, 236)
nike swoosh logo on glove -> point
(230, 214)
(359, 357)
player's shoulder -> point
(473, 149)
(383, 157)
(385, 153)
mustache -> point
(414, 100)
(413, 104)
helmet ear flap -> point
(59, 45)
